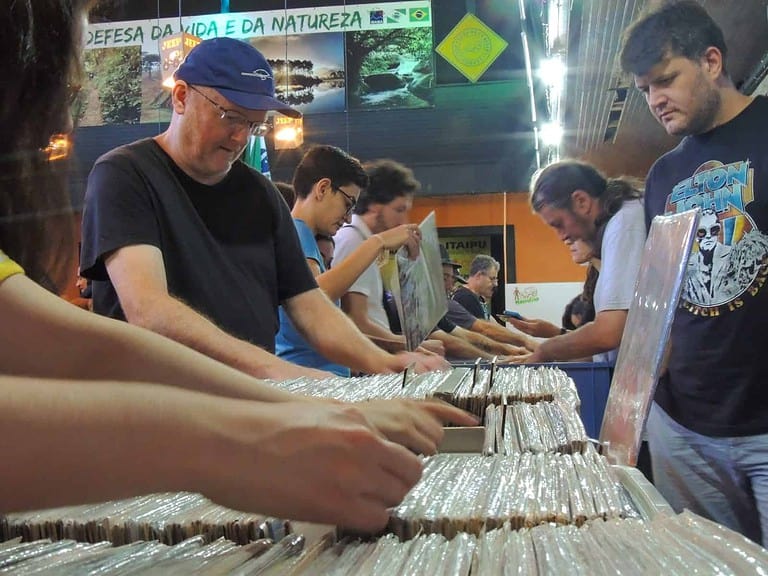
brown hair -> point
(554, 185)
(41, 46)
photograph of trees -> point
(390, 68)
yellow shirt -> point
(8, 267)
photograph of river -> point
(390, 68)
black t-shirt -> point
(459, 315)
(717, 383)
(471, 302)
(230, 250)
(446, 325)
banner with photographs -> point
(417, 286)
(388, 64)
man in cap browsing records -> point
(183, 238)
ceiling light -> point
(551, 134)
(552, 72)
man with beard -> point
(382, 206)
(607, 213)
(708, 426)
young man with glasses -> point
(181, 237)
(327, 183)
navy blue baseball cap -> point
(236, 70)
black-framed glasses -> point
(713, 230)
(236, 120)
(351, 201)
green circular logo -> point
(471, 47)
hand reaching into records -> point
(420, 361)
(515, 358)
(321, 463)
(416, 424)
(432, 346)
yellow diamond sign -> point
(471, 47)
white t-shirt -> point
(622, 250)
(369, 284)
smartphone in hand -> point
(513, 314)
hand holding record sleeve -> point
(405, 234)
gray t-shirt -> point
(623, 244)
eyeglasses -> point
(713, 230)
(351, 201)
(236, 120)
(494, 279)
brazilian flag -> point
(418, 14)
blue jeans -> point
(723, 479)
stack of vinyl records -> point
(541, 427)
(524, 408)
(472, 389)
(363, 388)
(193, 556)
(167, 517)
(673, 545)
(670, 544)
(478, 388)
(473, 493)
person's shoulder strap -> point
(356, 229)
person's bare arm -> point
(498, 332)
(321, 463)
(390, 345)
(458, 347)
(336, 281)
(601, 335)
(355, 305)
(47, 337)
(535, 327)
(329, 331)
(335, 336)
(138, 275)
(490, 345)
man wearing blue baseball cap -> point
(181, 237)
